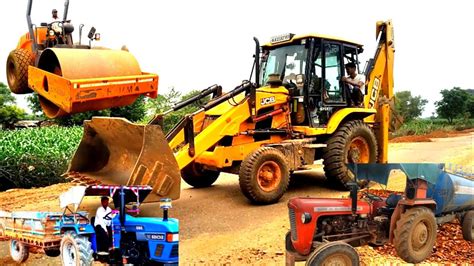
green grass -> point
(36, 157)
(426, 126)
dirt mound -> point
(432, 135)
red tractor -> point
(324, 231)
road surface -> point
(218, 224)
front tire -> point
(76, 250)
(353, 142)
(17, 70)
(468, 226)
(18, 251)
(415, 234)
(334, 253)
(264, 176)
(195, 176)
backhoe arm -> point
(380, 85)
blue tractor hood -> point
(151, 224)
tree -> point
(408, 106)
(165, 102)
(455, 103)
(134, 112)
(9, 112)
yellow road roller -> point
(73, 77)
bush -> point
(36, 157)
(426, 126)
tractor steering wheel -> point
(108, 216)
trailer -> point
(71, 234)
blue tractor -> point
(135, 240)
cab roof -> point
(310, 35)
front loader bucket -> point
(116, 151)
(72, 81)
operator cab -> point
(311, 67)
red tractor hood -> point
(302, 234)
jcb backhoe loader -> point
(71, 77)
(294, 113)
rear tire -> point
(195, 176)
(76, 250)
(468, 226)
(334, 253)
(353, 142)
(17, 70)
(415, 234)
(18, 251)
(264, 176)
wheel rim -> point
(337, 260)
(69, 254)
(15, 247)
(420, 236)
(269, 176)
(359, 151)
(11, 73)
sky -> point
(194, 44)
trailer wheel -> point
(353, 142)
(18, 251)
(334, 253)
(468, 226)
(264, 175)
(17, 70)
(194, 175)
(76, 250)
(415, 234)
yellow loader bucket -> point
(116, 151)
(71, 81)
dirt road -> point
(219, 226)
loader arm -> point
(380, 85)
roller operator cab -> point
(135, 240)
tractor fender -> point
(346, 114)
(402, 206)
(80, 229)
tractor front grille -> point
(294, 236)
(175, 251)
(159, 250)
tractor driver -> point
(356, 83)
(102, 224)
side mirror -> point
(44, 24)
(91, 33)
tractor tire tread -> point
(403, 233)
(21, 59)
(84, 247)
(247, 174)
(467, 225)
(333, 155)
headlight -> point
(170, 237)
(305, 218)
(51, 32)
